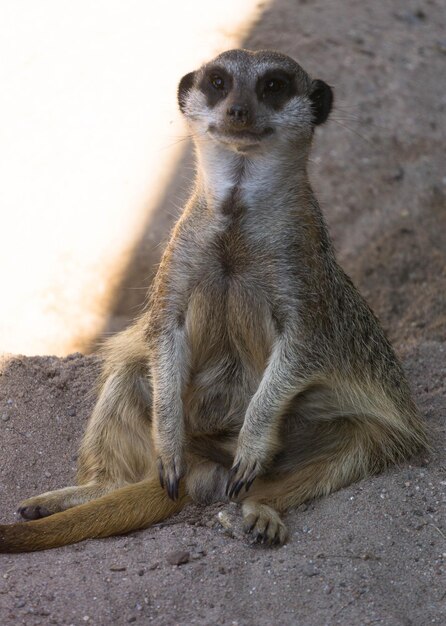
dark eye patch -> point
(274, 85)
(275, 88)
(216, 83)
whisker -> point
(355, 132)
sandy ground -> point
(373, 553)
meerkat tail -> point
(129, 508)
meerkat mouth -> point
(241, 137)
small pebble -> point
(5, 417)
(395, 175)
(368, 556)
(225, 519)
(179, 557)
(310, 570)
(154, 566)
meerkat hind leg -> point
(117, 447)
(52, 502)
(116, 451)
(332, 455)
(318, 457)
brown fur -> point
(258, 372)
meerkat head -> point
(249, 100)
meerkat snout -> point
(238, 114)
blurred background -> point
(95, 163)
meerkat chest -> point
(230, 332)
(231, 305)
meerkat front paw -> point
(171, 468)
(248, 464)
(250, 461)
(242, 474)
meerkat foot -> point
(33, 511)
(42, 505)
(263, 524)
(55, 501)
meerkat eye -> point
(217, 82)
(274, 85)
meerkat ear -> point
(184, 87)
(321, 97)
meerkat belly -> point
(230, 334)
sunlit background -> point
(90, 141)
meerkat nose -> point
(238, 113)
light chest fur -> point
(235, 292)
(230, 322)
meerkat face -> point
(250, 100)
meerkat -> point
(257, 373)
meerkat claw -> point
(230, 483)
(239, 478)
(236, 488)
(160, 468)
(172, 488)
(169, 480)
